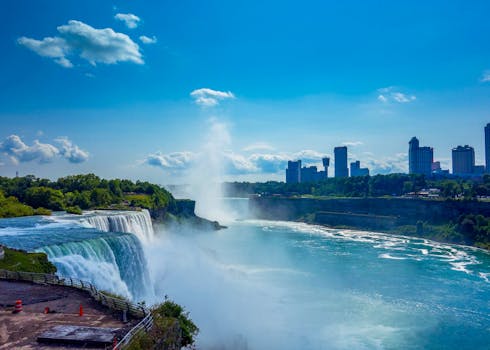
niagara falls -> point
(245, 175)
(274, 284)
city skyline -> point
(145, 105)
(420, 161)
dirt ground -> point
(20, 331)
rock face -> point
(2, 253)
(184, 214)
(406, 211)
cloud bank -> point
(93, 45)
(206, 97)
(270, 163)
(19, 152)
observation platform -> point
(21, 330)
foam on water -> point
(399, 247)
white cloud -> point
(172, 161)
(233, 163)
(147, 40)
(71, 152)
(20, 152)
(208, 98)
(131, 21)
(485, 76)
(389, 94)
(56, 48)
(386, 165)
(80, 39)
(352, 143)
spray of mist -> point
(206, 177)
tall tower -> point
(326, 164)
(341, 169)
(413, 148)
(487, 148)
(420, 159)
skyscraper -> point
(420, 159)
(487, 148)
(341, 169)
(463, 160)
(293, 172)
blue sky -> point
(106, 87)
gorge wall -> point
(358, 211)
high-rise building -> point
(356, 170)
(487, 148)
(309, 174)
(463, 160)
(420, 159)
(293, 172)
(341, 169)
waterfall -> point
(135, 222)
(114, 263)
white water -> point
(136, 222)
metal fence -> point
(113, 303)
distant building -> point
(436, 167)
(356, 170)
(479, 170)
(341, 169)
(296, 174)
(487, 148)
(420, 159)
(326, 164)
(309, 174)
(463, 160)
(293, 172)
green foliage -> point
(172, 310)
(79, 192)
(475, 228)
(172, 329)
(44, 197)
(18, 260)
(74, 210)
(366, 186)
(11, 207)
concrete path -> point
(20, 331)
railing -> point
(111, 302)
(144, 326)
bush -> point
(74, 210)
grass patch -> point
(19, 260)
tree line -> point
(76, 193)
(366, 186)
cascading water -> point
(136, 222)
(114, 263)
(103, 247)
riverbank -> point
(459, 222)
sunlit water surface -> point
(280, 285)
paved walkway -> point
(20, 331)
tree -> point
(45, 197)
